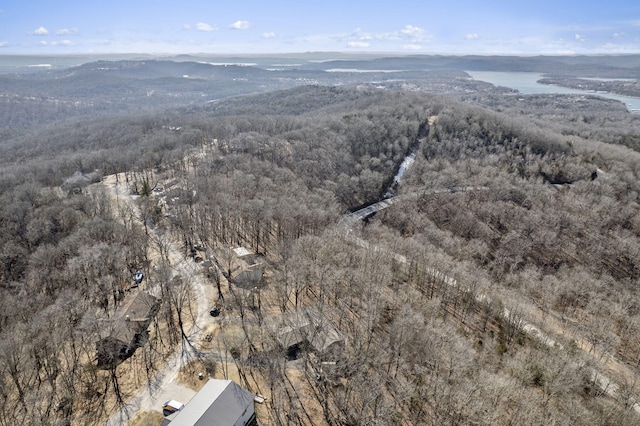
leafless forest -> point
(519, 213)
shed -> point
(219, 403)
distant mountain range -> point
(605, 66)
(38, 89)
(585, 66)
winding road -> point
(164, 386)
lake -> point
(527, 83)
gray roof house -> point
(127, 331)
(241, 267)
(219, 403)
(310, 326)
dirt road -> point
(164, 386)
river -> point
(527, 83)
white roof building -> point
(219, 403)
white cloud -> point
(617, 35)
(43, 43)
(269, 35)
(580, 38)
(63, 43)
(40, 31)
(240, 25)
(471, 36)
(67, 31)
(103, 42)
(4, 43)
(412, 32)
(411, 35)
(201, 26)
(409, 32)
(186, 27)
(359, 35)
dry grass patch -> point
(195, 374)
(147, 418)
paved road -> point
(350, 219)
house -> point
(308, 327)
(127, 331)
(241, 267)
(219, 403)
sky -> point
(263, 26)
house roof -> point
(140, 307)
(241, 251)
(241, 266)
(309, 325)
(133, 317)
(219, 403)
(121, 335)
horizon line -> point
(327, 52)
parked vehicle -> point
(171, 407)
(137, 278)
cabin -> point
(219, 403)
(308, 328)
(241, 267)
(127, 331)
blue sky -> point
(398, 26)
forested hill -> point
(613, 66)
(123, 87)
(112, 88)
(432, 300)
(126, 87)
(305, 100)
(336, 125)
(153, 69)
